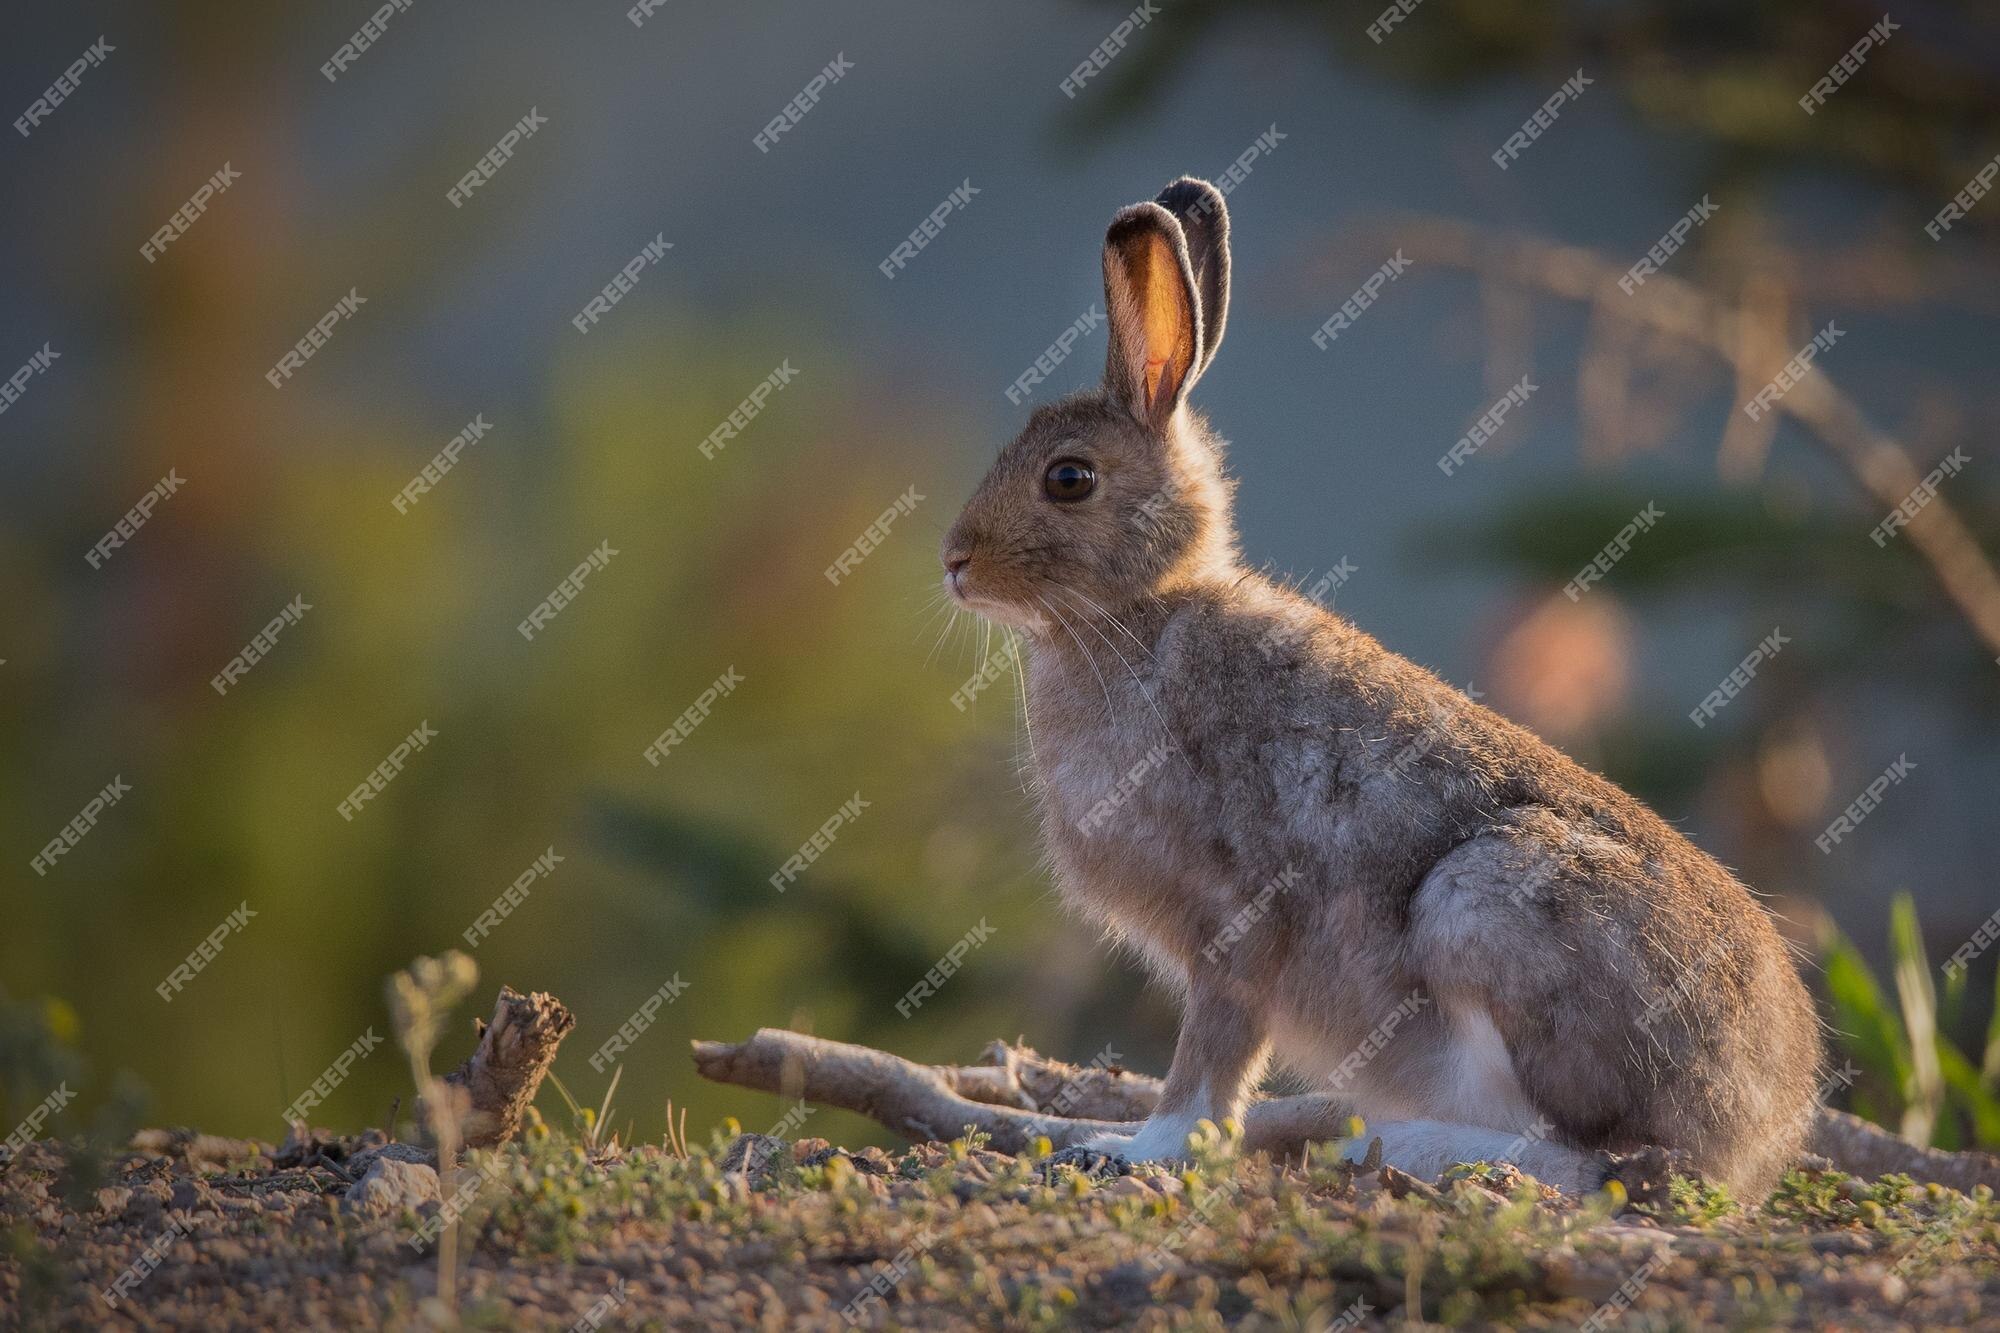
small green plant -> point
(41, 1073)
(37, 1053)
(590, 1123)
(1914, 1078)
(420, 999)
(1691, 1201)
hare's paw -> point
(1089, 1159)
(1163, 1138)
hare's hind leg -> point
(1637, 1004)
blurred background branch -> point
(1751, 337)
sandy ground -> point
(193, 1233)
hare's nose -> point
(954, 561)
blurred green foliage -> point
(1913, 1077)
(665, 870)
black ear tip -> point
(1186, 183)
(1193, 197)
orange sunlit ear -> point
(1154, 334)
(1169, 322)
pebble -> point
(189, 1195)
(391, 1185)
(1842, 1242)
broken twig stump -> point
(502, 1075)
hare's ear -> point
(1155, 318)
(1204, 220)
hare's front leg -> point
(1217, 1062)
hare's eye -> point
(1069, 479)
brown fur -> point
(1445, 872)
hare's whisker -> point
(1140, 685)
(1110, 709)
(951, 623)
(1021, 699)
(1092, 603)
(924, 625)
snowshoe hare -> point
(1333, 855)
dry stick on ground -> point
(1002, 1098)
(938, 1101)
(1680, 310)
(917, 1101)
(1865, 1149)
(1011, 1075)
